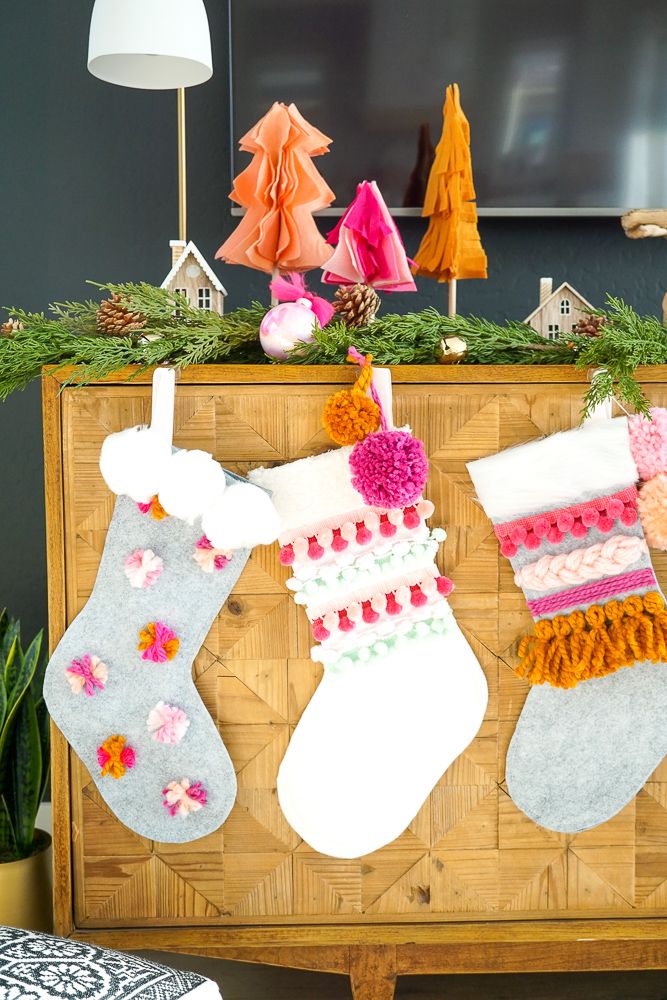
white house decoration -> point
(559, 310)
(193, 277)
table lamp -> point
(153, 45)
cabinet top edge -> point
(323, 374)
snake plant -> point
(24, 740)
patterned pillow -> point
(40, 967)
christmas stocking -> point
(119, 684)
(402, 693)
(593, 728)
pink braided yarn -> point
(648, 442)
(569, 568)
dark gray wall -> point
(88, 190)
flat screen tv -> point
(567, 100)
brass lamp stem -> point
(182, 169)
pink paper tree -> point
(369, 249)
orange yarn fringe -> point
(350, 415)
(571, 648)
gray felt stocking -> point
(119, 684)
(592, 729)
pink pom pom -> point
(338, 543)
(389, 468)
(417, 598)
(445, 586)
(368, 615)
(411, 518)
(387, 529)
(286, 555)
(364, 536)
(518, 534)
(590, 517)
(605, 524)
(614, 508)
(315, 550)
(319, 631)
(344, 623)
(393, 607)
(508, 548)
(128, 757)
(629, 515)
(578, 530)
(540, 526)
(554, 535)
(564, 521)
(648, 442)
(532, 541)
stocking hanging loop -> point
(162, 403)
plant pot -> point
(25, 889)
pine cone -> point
(11, 327)
(115, 319)
(589, 326)
(356, 304)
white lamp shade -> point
(150, 44)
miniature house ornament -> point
(194, 278)
(559, 311)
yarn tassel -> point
(571, 648)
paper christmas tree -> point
(369, 249)
(451, 247)
(280, 189)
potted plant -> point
(25, 877)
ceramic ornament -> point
(402, 694)
(592, 730)
(119, 684)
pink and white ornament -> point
(286, 325)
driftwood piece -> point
(643, 222)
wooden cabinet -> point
(472, 884)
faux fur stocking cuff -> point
(557, 471)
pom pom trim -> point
(429, 589)
(357, 533)
(576, 520)
(374, 644)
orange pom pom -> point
(652, 503)
(350, 415)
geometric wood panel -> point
(469, 853)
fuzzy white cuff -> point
(553, 472)
(311, 489)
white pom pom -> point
(244, 517)
(191, 482)
(132, 462)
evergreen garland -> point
(179, 334)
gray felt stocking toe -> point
(592, 729)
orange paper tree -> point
(280, 189)
(451, 247)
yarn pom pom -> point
(132, 462)
(242, 518)
(143, 568)
(652, 504)
(191, 482)
(167, 723)
(648, 442)
(389, 469)
(183, 797)
(349, 416)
